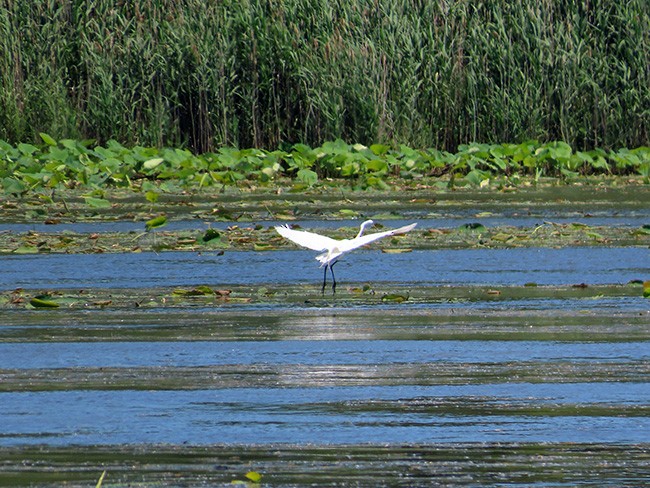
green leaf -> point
(254, 476)
(379, 149)
(41, 303)
(152, 163)
(47, 139)
(472, 226)
(156, 222)
(27, 149)
(475, 177)
(26, 250)
(12, 185)
(377, 165)
(152, 196)
(97, 202)
(211, 234)
(307, 176)
(394, 297)
(194, 292)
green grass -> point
(263, 73)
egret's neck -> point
(363, 227)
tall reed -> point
(267, 73)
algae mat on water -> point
(467, 218)
(479, 464)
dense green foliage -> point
(72, 164)
(264, 73)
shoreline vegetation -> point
(28, 169)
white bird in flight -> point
(334, 248)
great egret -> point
(334, 248)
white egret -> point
(334, 248)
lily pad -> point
(394, 297)
(42, 303)
(472, 227)
(211, 234)
(156, 222)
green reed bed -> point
(262, 73)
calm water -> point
(592, 265)
(528, 371)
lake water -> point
(515, 375)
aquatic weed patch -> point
(30, 170)
(245, 237)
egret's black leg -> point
(322, 292)
(333, 278)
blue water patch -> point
(544, 266)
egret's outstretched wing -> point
(350, 244)
(306, 239)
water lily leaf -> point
(307, 176)
(379, 149)
(502, 237)
(94, 202)
(254, 476)
(151, 196)
(27, 149)
(12, 185)
(472, 226)
(476, 177)
(394, 297)
(26, 250)
(377, 165)
(152, 163)
(156, 222)
(41, 303)
(210, 234)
